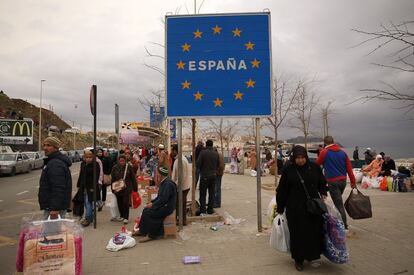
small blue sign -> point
(156, 116)
(218, 65)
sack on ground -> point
(120, 241)
(358, 206)
(280, 237)
(384, 184)
(335, 248)
(253, 173)
(113, 205)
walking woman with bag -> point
(123, 183)
(301, 191)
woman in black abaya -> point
(306, 230)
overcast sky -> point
(74, 44)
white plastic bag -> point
(120, 241)
(332, 210)
(271, 210)
(375, 182)
(253, 173)
(280, 237)
(113, 205)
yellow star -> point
(198, 96)
(250, 83)
(236, 32)
(238, 95)
(255, 63)
(249, 46)
(197, 34)
(186, 47)
(217, 102)
(216, 29)
(180, 65)
(186, 85)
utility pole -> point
(40, 115)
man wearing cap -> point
(55, 187)
(154, 213)
(164, 158)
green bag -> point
(389, 183)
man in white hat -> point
(164, 158)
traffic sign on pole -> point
(218, 65)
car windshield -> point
(7, 157)
(30, 155)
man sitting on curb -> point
(151, 225)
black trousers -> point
(207, 183)
(103, 188)
(122, 198)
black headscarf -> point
(298, 151)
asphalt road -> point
(18, 199)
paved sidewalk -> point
(381, 245)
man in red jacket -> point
(336, 166)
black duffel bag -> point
(358, 206)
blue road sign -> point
(218, 65)
(156, 116)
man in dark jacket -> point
(55, 187)
(387, 166)
(208, 163)
(198, 149)
(152, 218)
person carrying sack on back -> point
(336, 166)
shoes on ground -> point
(85, 223)
(210, 212)
(125, 221)
(299, 266)
(146, 239)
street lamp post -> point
(74, 129)
(40, 115)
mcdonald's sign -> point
(14, 131)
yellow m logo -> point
(22, 126)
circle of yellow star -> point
(217, 102)
(197, 33)
(249, 45)
(255, 63)
(238, 95)
(236, 32)
(250, 83)
(180, 65)
(198, 96)
(186, 47)
(216, 29)
(186, 85)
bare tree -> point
(230, 131)
(326, 111)
(302, 110)
(283, 100)
(399, 40)
(217, 128)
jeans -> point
(336, 189)
(217, 192)
(89, 209)
(207, 183)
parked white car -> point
(36, 160)
(12, 163)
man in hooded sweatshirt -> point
(55, 187)
(336, 166)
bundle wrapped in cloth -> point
(52, 246)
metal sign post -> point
(117, 126)
(93, 111)
(180, 173)
(259, 179)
